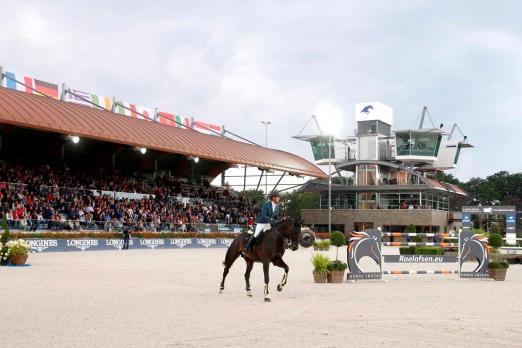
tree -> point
(293, 202)
(255, 196)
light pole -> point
(266, 124)
(329, 185)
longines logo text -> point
(152, 243)
(226, 242)
(206, 242)
(117, 243)
(180, 242)
(82, 244)
(42, 244)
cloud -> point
(239, 63)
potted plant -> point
(18, 251)
(336, 271)
(324, 245)
(316, 245)
(4, 249)
(337, 239)
(497, 269)
(320, 263)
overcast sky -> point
(238, 63)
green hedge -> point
(429, 251)
(407, 250)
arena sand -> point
(169, 298)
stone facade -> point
(379, 217)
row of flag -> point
(31, 85)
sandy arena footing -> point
(169, 298)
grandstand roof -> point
(47, 114)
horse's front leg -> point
(250, 265)
(266, 265)
(280, 263)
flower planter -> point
(499, 274)
(320, 277)
(315, 247)
(335, 276)
(19, 260)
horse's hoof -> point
(267, 299)
(279, 287)
(249, 293)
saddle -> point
(259, 238)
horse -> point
(367, 243)
(283, 235)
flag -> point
(84, 98)
(31, 85)
(46, 88)
(104, 102)
(167, 119)
(205, 127)
(135, 111)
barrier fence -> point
(96, 244)
(369, 243)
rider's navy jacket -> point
(268, 216)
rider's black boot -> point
(250, 244)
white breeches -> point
(260, 228)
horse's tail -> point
(232, 252)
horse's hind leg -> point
(232, 254)
(250, 265)
(282, 264)
(266, 266)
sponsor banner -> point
(490, 209)
(88, 244)
(31, 84)
(420, 258)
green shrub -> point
(416, 239)
(337, 265)
(407, 250)
(494, 264)
(324, 244)
(496, 229)
(320, 263)
(410, 229)
(337, 239)
(429, 251)
(495, 241)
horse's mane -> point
(283, 222)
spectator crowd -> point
(57, 198)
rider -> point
(269, 216)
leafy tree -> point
(293, 202)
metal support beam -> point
(278, 181)
(259, 182)
(244, 181)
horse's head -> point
(474, 246)
(367, 243)
(291, 232)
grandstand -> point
(69, 166)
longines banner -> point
(60, 245)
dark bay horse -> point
(285, 234)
